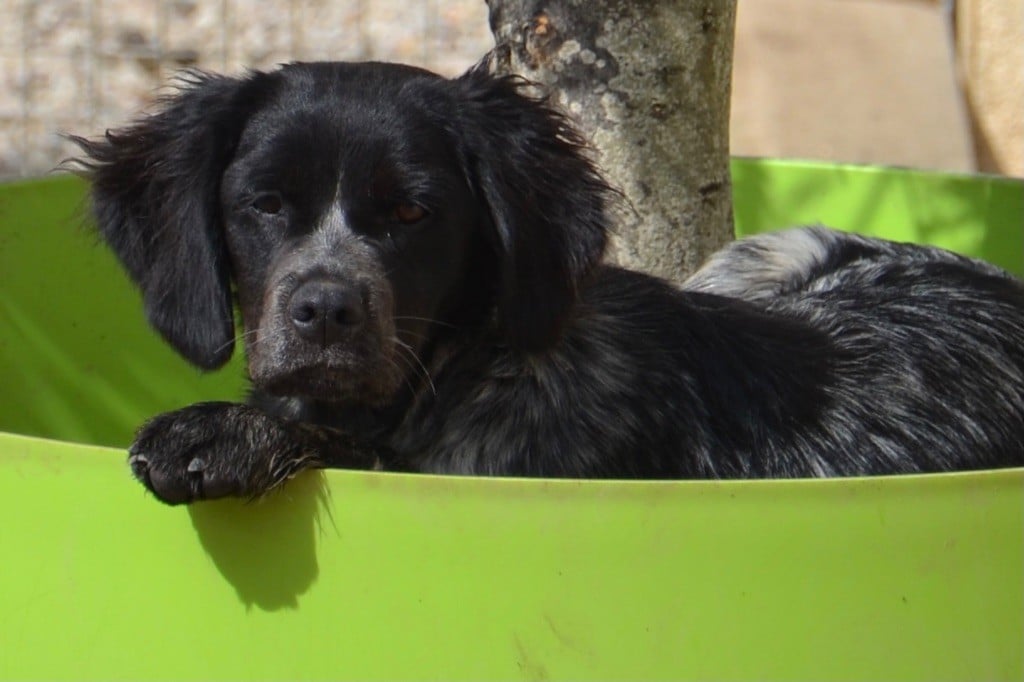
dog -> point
(417, 264)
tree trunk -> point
(648, 82)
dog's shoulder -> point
(638, 368)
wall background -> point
(923, 83)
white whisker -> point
(412, 354)
(427, 320)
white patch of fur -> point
(760, 268)
(330, 228)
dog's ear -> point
(155, 197)
(547, 201)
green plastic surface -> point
(385, 576)
(980, 216)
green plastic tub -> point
(383, 576)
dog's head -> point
(356, 212)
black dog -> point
(417, 265)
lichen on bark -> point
(648, 82)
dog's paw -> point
(212, 450)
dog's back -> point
(928, 360)
(765, 267)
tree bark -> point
(648, 81)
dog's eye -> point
(269, 203)
(409, 213)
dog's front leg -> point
(217, 449)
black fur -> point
(417, 263)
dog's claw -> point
(197, 465)
(139, 464)
(169, 488)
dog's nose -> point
(326, 312)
